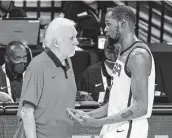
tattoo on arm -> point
(127, 114)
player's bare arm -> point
(27, 114)
(100, 112)
(139, 65)
(97, 113)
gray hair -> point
(55, 28)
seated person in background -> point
(12, 71)
(96, 79)
(7, 10)
(75, 10)
(89, 14)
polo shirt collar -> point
(56, 61)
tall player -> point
(132, 92)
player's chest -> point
(119, 66)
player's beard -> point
(116, 38)
(109, 63)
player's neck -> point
(128, 40)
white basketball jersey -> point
(121, 97)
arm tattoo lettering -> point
(127, 114)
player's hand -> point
(83, 118)
(75, 114)
(90, 121)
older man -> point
(49, 85)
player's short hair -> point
(123, 12)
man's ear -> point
(55, 42)
(123, 23)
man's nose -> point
(105, 30)
(76, 41)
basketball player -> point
(131, 96)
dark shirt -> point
(91, 80)
(16, 81)
(89, 25)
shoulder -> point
(39, 62)
(140, 53)
(139, 60)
